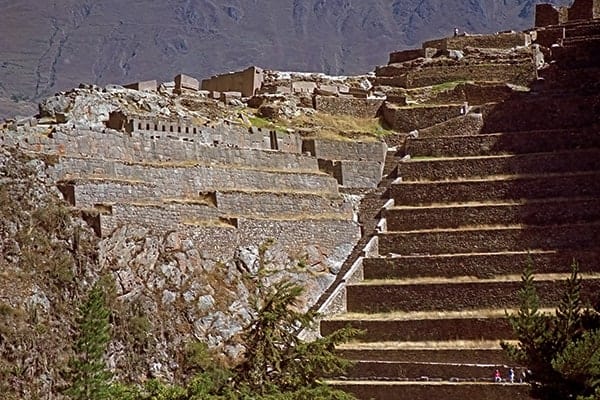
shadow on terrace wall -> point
(560, 116)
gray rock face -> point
(54, 105)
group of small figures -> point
(511, 376)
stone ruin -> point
(495, 159)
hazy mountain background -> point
(52, 45)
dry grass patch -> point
(340, 127)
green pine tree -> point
(562, 351)
(90, 377)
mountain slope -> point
(50, 46)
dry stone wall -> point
(352, 164)
(406, 119)
(281, 205)
(332, 239)
(518, 73)
(347, 105)
(138, 148)
(498, 41)
(345, 150)
(196, 178)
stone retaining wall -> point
(539, 163)
(517, 143)
(535, 213)
(138, 148)
(431, 355)
(470, 124)
(415, 371)
(417, 330)
(478, 265)
(160, 218)
(406, 119)
(346, 105)
(490, 240)
(196, 178)
(530, 112)
(278, 205)
(584, 184)
(326, 242)
(439, 390)
(584, 9)
(345, 150)
(548, 14)
(333, 240)
(456, 296)
(518, 73)
(496, 41)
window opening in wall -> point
(147, 127)
(155, 127)
(171, 128)
(139, 125)
(178, 129)
(187, 129)
(164, 128)
(194, 130)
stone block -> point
(430, 52)
(346, 105)
(406, 119)
(327, 90)
(406, 55)
(148, 86)
(226, 97)
(303, 87)
(584, 9)
(185, 82)
(504, 40)
(248, 82)
(358, 92)
(343, 89)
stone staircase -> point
(465, 215)
(456, 238)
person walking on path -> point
(497, 376)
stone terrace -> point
(465, 214)
(225, 194)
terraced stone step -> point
(503, 143)
(397, 390)
(394, 370)
(463, 352)
(483, 265)
(457, 294)
(552, 34)
(550, 110)
(552, 212)
(424, 327)
(473, 167)
(195, 177)
(576, 236)
(88, 192)
(114, 145)
(586, 184)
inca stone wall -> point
(497, 41)
(346, 105)
(405, 119)
(195, 178)
(345, 150)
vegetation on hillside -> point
(277, 364)
(64, 330)
(561, 350)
